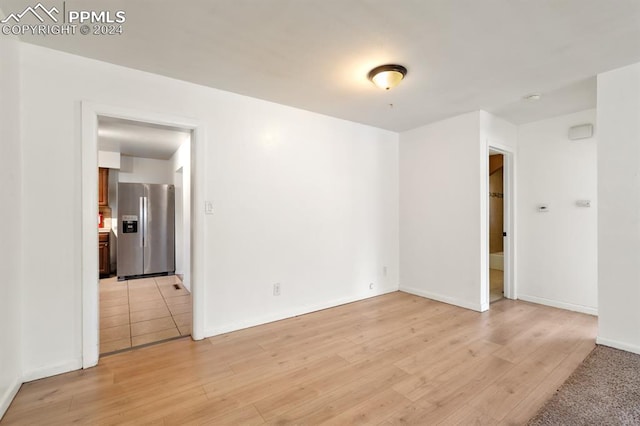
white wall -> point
(10, 218)
(440, 225)
(498, 131)
(619, 208)
(299, 198)
(557, 250)
(181, 166)
(145, 170)
(443, 207)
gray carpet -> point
(604, 390)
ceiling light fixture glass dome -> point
(387, 76)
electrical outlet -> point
(276, 289)
(208, 207)
(370, 286)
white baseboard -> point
(618, 345)
(9, 394)
(239, 325)
(48, 371)
(442, 298)
(557, 304)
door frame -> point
(509, 221)
(90, 276)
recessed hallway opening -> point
(145, 226)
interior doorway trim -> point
(509, 223)
(90, 277)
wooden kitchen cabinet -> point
(103, 254)
(103, 187)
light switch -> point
(208, 207)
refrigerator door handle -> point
(142, 221)
(145, 206)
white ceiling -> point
(462, 55)
(576, 96)
(140, 139)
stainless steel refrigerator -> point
(146, 238)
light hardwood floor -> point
(392, 359)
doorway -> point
(496, 226)
(498, 218)
(144, 292)
(187, 280)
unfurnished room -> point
(320, 212)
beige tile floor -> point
(141, 311)
(496, 285)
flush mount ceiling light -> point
(387, 76)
